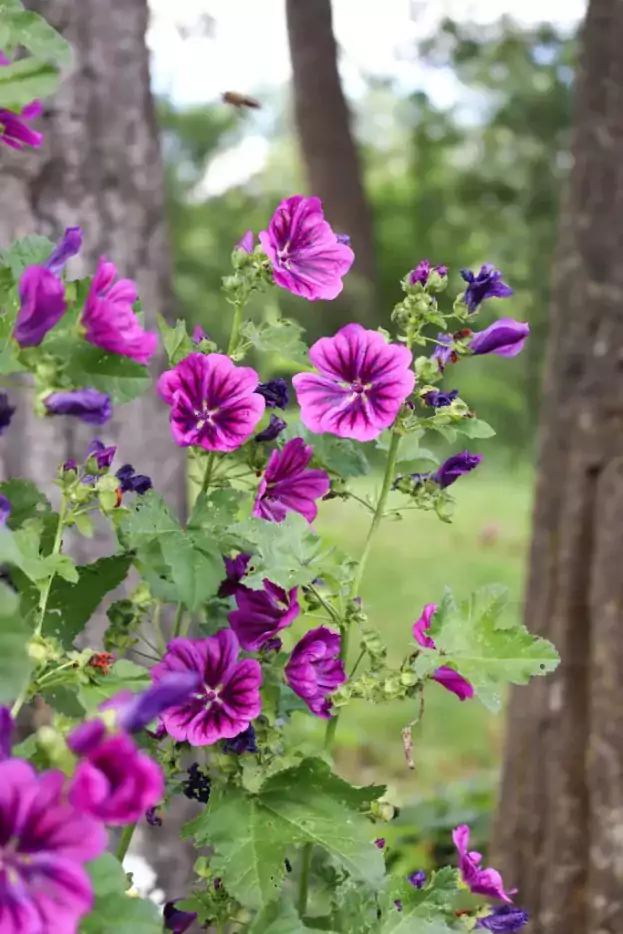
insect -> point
(240, 100)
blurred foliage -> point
(479, 182)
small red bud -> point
(103, 661)
(119, 496)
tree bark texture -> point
(100, 168)
(323, 121)
(559, 833)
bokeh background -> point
(461, 115)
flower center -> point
(359, 388)
(205, 415)
(283, 255)
(210, 695)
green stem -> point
(56, 548)
(207, 477)
(306, 861)
(235, 328)
(388, 479)
(124, 843)
(357, 664)
(155, 621)
(177, 625)
(333, 613)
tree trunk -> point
(331, 158)
(100, 168)
(559, 833)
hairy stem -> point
(207, 477)
(56, 548)
(124, 843)
(306, 861)
(235, 328)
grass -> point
(411, 563)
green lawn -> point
(412, 561)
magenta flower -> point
(289, 485)
(89, 405)
(116, 782)
(505, 337)
(306, 256)
(229, 696)
(213, 402)
(261, 614)
(42, 305)
(70, 245)
(6, 732)
(5, 509)
(235, 569)
(136, 711)
(450, 679)
(109, 319)
(361, 384)
(14, 127)
(486, 882)
(247, 242)
(44, 843)
(315, 669)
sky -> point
(201, 48)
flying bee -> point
(240, 100)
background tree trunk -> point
(323, 122)
(559, 834)
(100, 168)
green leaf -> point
(29, 251)
(216, 512)
(487, 650)
(303, 804)
(71, 605)
(15, 663)
(281, 338)
(123, 676)
(338, 455)
(25, 81)
(177, 343)
(474, 428)
(27, 502)
(425, 911)
(287, 552)
(281, 917)
(114, 912)
(123, 379)
(34, 33)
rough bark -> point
(559, 834)
(100, 168)
(323, 121)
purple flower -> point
(289, 485)
(131, 482)
(42, 305)
(439, 399)
(153, 818)
(177, 920)
(487, 284)
(229, 696)
(44, 844)
(88, 405)
(116, 782)
(235, 568)
(315, 669)
(450, 679)
(272, 430)
(14, 129)
(213, 402)
(343, 238)
(109, 319)
(503, 920)
(70, 464)
(69, 246)
(417, 879)
(276, 393)
(423, 270)
(486, 882)
(247, 242)
(6, 733)
(103, 455)
(244, 742)
(199, 334)
(136, 711)
(6, 412)
(361, 384)
(454, 467)
(443, 352)
(505, 337)
(306, 256)
(261, 614)
(197, 786)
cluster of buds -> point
(419, 307)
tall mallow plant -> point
(207, 710)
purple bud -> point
(199, 334)
(42, 305)
(276, 393)
(443, 352)
(246, 243)
(505, 337)
(439, 399)
(235, 568)
(5, 509)
(272, 430)
(244, 742)
(343, 238)
(88, 405)
(217, 884)
(152, 817)
(102, 454)
(398, 904)
(6, 733)
(504, 920)
(71, 464)
(177, 920)
(423, 270)
(418, 879)
(380, 843)
(455, 467)
(131, 482)
(6, 411)
(274, 644)
(487, 284)
(69, 246)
